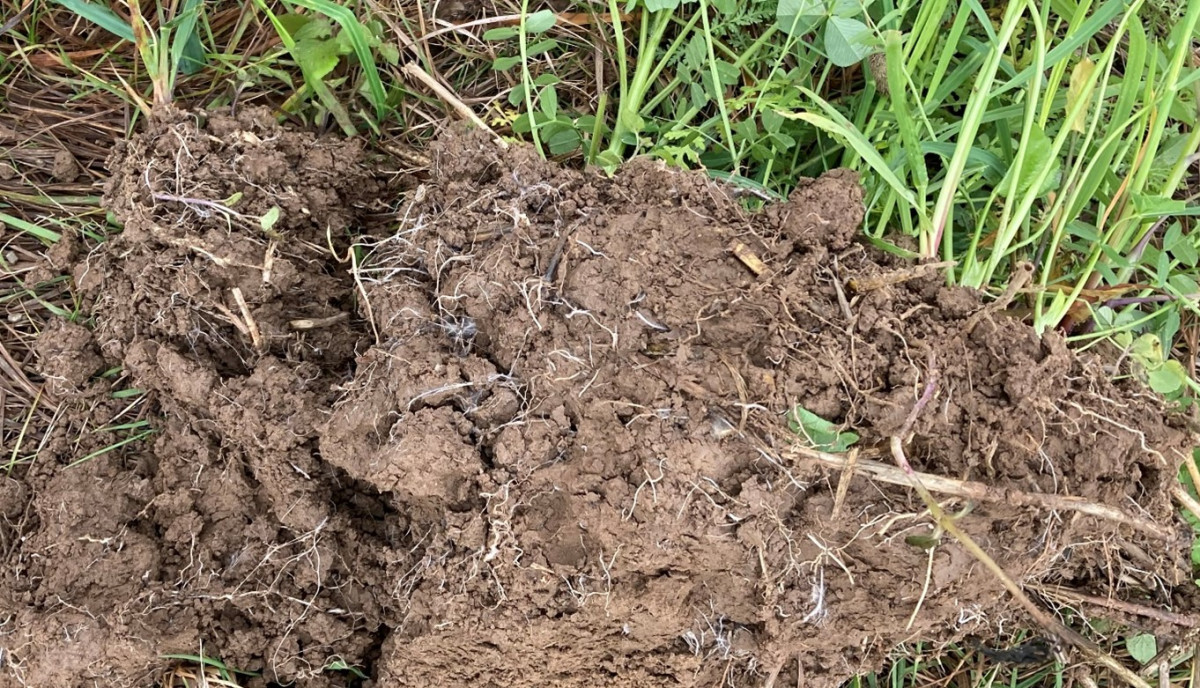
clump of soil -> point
(537, 430)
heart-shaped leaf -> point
(797, 17)
(847, 41)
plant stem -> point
(527, 79)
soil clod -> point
(540, 428)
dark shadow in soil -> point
(537, 432)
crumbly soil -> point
(523, 425)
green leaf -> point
(771, 121)
(782, 141)
(209, 661)
(796, 17)
(502, 33)
(695, 53)
(1162, 269)
(1186, 286)
(727, 72)
(560, 138)
(314, 28)
(517, 95)
(847, 41)
(540, 21)
(820, 433)
(341, 665)
(542, 46)
(837, 125)
(46, 236)
(1081, 88)
(293, 22)
(1154, 206)
(269, 218)
(1147, 350)
(1173, 236)
(746, 129)
(1185, 252)
(501, 64)
(317, 57)
(846, 8)
(1038, 154)
(993, 168)
(632, 121)
(1168, 378)
(1170, 327)
(924, 542)
(189, 56)
(1142, 647)
(698, 95)
(548, 102)
(101, 16)
(360, 40)
(608, 160)
(659, 5)
(390, 53)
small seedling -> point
(341, 665)
(1165, 376)
(266, 222)
(820, 433)
(318, 50)
(227, 672)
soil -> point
(522, 425)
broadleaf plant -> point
(821, 434)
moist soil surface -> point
(513, 424)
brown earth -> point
(536, 433)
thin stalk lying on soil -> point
(414, 70)
(981, 492)
(1075, 597)
(948, 524)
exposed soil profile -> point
(536, 433)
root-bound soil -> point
(542, 429)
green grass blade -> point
(112, 447)
(1064, 50)
(46, 236)
(971, 120)
(187, 53)
(837, 125)
(101, 16)
(209, 661)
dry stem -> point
(982, 492)
(251, 326)
(1183, 620)
(843, 485)
(1089, 649)
(414, 70)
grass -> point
(914, 666)
(1059, 132)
